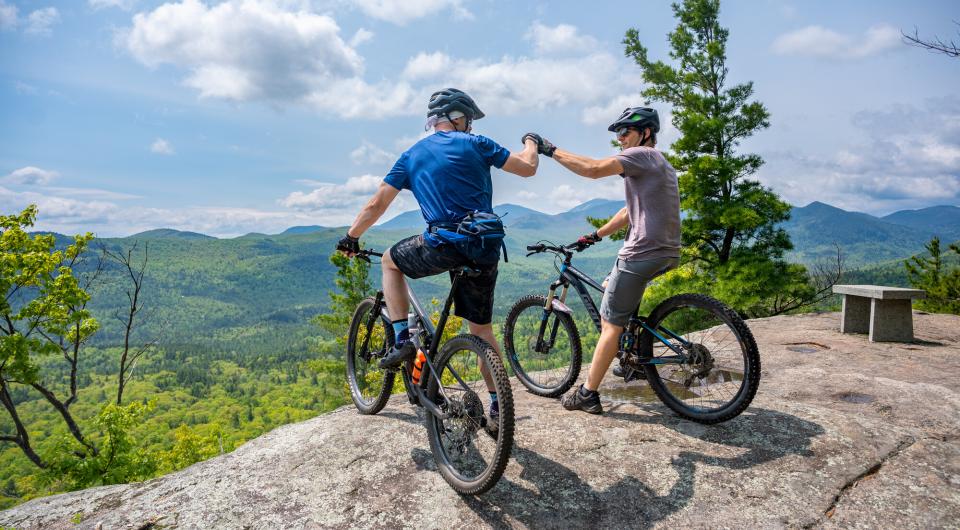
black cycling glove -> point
(586, 241)
(348, 244)
(544, 147)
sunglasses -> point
(623, 131)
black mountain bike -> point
(447, 380)
(698, 355)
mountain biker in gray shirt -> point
(652, 245)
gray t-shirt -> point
(653, 205)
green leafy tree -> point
(119, 459)
(353, 285)
(189, 448)
(44, 314)
(44, 322)
(930, 274)
(730, 233)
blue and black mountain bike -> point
(697, 354)
(449, 379)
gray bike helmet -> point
(637, 117)
(448, 100)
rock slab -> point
(843, 433)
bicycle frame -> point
(579, 280)
(417, 392)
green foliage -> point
(730, 232)
(941, 284)
(353, 285)
(118, 460)
(42, 297)
(189, 448)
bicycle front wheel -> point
(721, 373)
(370, 337)
(471, 445)
(543, 347)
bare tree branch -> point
(136, 273)
(936, 45)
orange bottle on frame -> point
(418, 366)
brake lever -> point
(363, 257)
(531, 253)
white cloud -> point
(125, 5)
(244, 50)
(909, 158)
(426, 65)
(354, 192)
(607, 113)
(63, 209)
(369, 153)
(559, 39)
(817, 41)
(8, 16)
(161, 147)
(40, 21)
(514, 85)
(361, 36)
(402, 11)
(32, 176)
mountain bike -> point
(448, 380)
(697, 354)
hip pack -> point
(478, 237)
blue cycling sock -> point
(493, 397)
(401, 330)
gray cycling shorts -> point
(626, 284)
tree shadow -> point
(560, 498)
(555, 496)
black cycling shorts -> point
(473, 299)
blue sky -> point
(253, 115)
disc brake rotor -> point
(700, 363)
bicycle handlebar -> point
(365, 254)
(565, 251)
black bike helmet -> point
(637, 117)
(448, 100)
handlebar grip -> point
(535, 248)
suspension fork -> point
(545, 346)
(374, 315)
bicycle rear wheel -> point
(470, 448)
(722, 373)
(370, 337)
(550, 369)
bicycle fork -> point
(553, 304)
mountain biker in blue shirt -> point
(449, 175)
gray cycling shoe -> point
(577, 401)
(398, 354)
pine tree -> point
(733, 246)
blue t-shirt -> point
(449, 174)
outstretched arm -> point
(618, 221)
(588, 167)
(525, 162)
(372, 211)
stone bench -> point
(886, 313)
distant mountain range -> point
(815, 229)
(257, 292)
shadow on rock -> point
(561, 499)
(766, 434)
